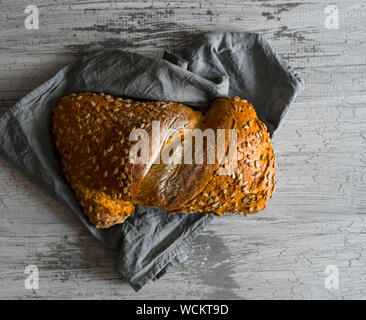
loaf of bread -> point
(93, 135)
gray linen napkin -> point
(220, 64)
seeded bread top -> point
(247, 184)
(92, 131)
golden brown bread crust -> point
(252, 182)
(91, 132)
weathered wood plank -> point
(317, 217)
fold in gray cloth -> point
(221, 64)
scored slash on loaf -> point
(91, 132)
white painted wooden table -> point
(318, 215)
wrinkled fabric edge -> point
(169, 258)
(298, 82)
(171, 265)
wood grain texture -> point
(318, 214)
